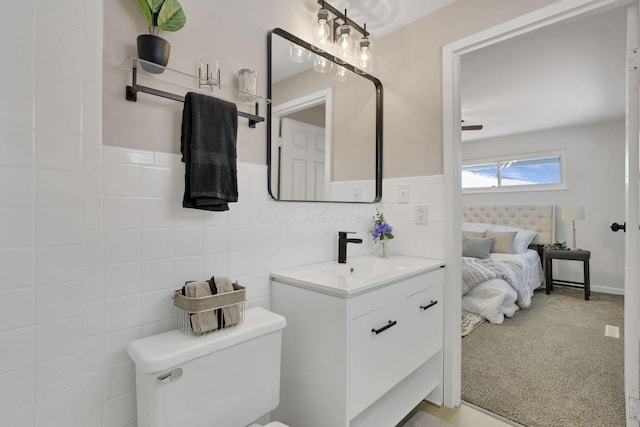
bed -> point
(501, 257)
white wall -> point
(50, 134)
(595, 180)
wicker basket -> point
(219, 305)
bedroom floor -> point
(573, 372)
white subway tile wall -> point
(94, 239)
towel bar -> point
(132, 90)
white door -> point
(303, 153)
(632, 218)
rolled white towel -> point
(231, 313)
(201, 322)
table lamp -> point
(573, 214)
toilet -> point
(229, 378)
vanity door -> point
(376, 341)
(424, 326)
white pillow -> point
(523, 237)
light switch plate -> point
(403, 193)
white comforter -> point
(495, 298)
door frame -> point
(307, 101)
(451, 104)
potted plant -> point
(166, 15)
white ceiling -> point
(383, 16)
(568, 74)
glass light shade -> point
(322, 64)
(342, 74)
(298, 54)
(321, 29)
(344, 43)
(364, 56)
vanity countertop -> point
(359, 275)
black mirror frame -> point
(378, 88)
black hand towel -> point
(208, 146)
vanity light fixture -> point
(336, 34)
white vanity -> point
(363, 342)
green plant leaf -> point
(155, 5)
(171, 17)
(146, 11)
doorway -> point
(452, 53)
(286, 122)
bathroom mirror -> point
(324, 126)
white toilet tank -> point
(228, 378)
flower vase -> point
(383, 250)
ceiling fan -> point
(471, 127)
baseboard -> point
(607, 290)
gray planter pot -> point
(153, 49)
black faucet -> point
(342, 245)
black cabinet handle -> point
(385, 327)
(428, 306)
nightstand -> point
(572, 255)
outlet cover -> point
(403, 193)
(420, 214)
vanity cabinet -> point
(362, 359)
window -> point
(541, 171)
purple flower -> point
(381, 230)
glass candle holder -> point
(208, 71)
(248, 84)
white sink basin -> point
(358, 275)
(365, 267)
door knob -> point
(615, 226)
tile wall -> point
(93, 239)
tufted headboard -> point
(539, 218)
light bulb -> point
(321, 30)
(344, 43)
(364, 56)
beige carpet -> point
(550, 365)
(422, 419)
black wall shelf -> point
(132, 90)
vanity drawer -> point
(376, 354)
(424, 326)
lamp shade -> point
(573, 213)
